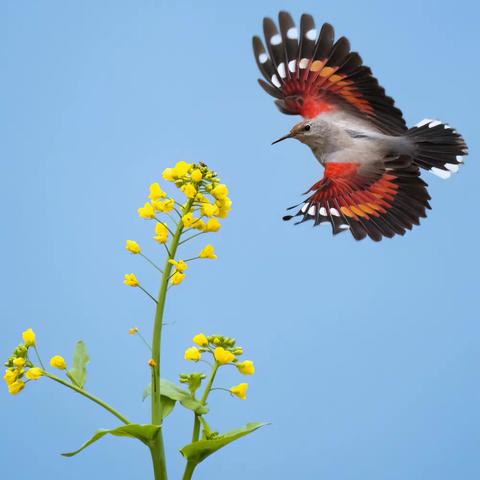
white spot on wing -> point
(292, 33)
(311, 210)
(275, 81)
(334, 212)
(311, 34)
(423, 122)
(304, 63)
(281, 70)
(276, 39)
(434, 124)
(453, 167)
(323, 211)
(304, 208)
(344, 226)
(263, 57)
(441, 173)
(459, 158)
(291, 65)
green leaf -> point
(173, 392)
(168, 405)
(196, 452)
(144, 433)
(78, 373)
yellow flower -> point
(224, 206)
(19, 362)
(131, 280)
(16, 387)
(156, 192)
(168, 174)
(240, 390)
(164, 206)
(58, 362)
(181, 169)
(223, 356)
(161, 233)
(208, 209)
(199, 225)
(28, 337)
(192, 354)
(201, 340)
(224, 203)
(189, 190)
(10, 376)
(177, 278)
(220, 192)
(201, 198)
(146, 211)
(34, 373)
(133, 331)
(213, 225)
(179, 265)
(152, 363)
(132, 246)
(187, 220)
(196, 175)
(208, 252)
(246, 367)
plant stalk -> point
(157, 449)
(91, 397)
(190, 467)
(187, 474)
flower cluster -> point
(224, 352)
(206, 202)
(20, 368)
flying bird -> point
(371, 184)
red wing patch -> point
(379, 200)
(309, 75)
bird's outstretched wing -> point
(379, 199)
(309, 75)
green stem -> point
(158, 449)
(203, 400)
(150, 262)
(151, 296)
(190, 467)
(91, 397)
(38, 357)
(144, 341)
(191, 238)
(187, 474)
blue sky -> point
(367, 354)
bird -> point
(371, 183)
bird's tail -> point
(438, 147)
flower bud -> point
(58, 362)
(223, 356)
(240, 390)
(28, 337)
(201, 340)
(246, 367)
(19, 362)
(34, 373)
(16, 387)
(192, 354)
(21, 350)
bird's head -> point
(308, 132)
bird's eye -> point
(306, 128)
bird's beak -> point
(288, 135)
